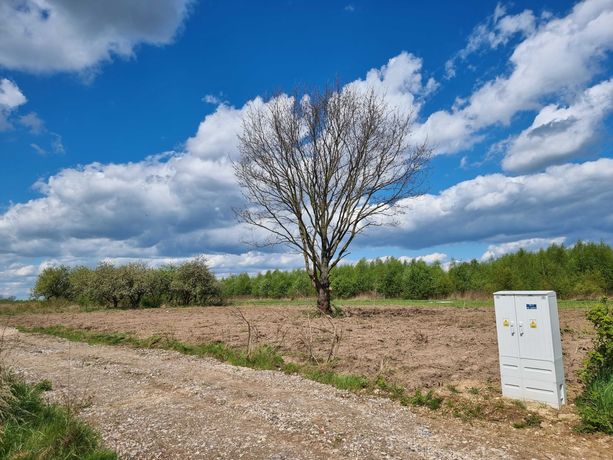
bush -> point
(595, 404)
(193, 284)
(599, 362)
(53, 283)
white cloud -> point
(178, 204)
(38, 149)
(10, 94)
(33, 122)
(217, 134)
(560, 57)
(572, 200)
(497, 30)
(68, 35)
(400, 81)
(530, 244)
(213, 99)
(560, 133)
(11, 97)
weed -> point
(453, 389)
(33, 429)
(429, 400)
(595, 406)
(392, 390)
(466, 410)
(518, 403)
(340, 381)
(531, 420)
(44, 385)
(474, 390)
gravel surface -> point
(154, 404)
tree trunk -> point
(323, 299)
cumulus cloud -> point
(559, 58)
(400, 81)
(497, 30)
(68, 35)
(179, 204)
(560, 133)
(572, 200)
(11, 97)
(530, 244)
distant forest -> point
(584, 270)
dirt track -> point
(157, 404)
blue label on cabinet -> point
(530, 306)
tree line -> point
(132, 285)
(584, 270)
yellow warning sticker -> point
(505, 323)
(533, 324)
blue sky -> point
(118, 123)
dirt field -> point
(414, 347)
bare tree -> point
(320, 169)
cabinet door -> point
(506, 326)
(533, 327)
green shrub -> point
(599, 362)
(53, 283)
(595, 404)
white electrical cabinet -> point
(529, 347)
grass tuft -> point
(595, 406)
(34, 429)
(531, 420)
(429, 399)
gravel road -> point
(154, 404)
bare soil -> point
(444, 348)
(416, 347)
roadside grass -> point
(595, 406)
(476, 405)
(30, 428)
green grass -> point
(34, 429)
(465, 409)
(342, 381)
(429, 399)
(595, 406)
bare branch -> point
(319, 170)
